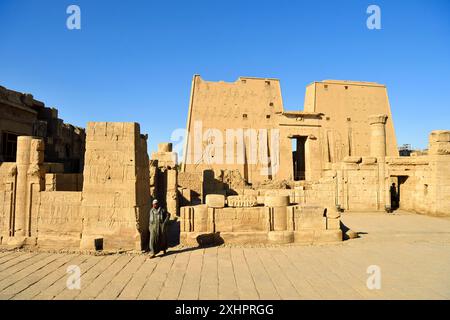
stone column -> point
(30, 176)
(278, 212)
(439, 143)
(439, 163)
(115, 186)
(378, 150)
(377, 135)
(172, 193)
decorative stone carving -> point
(34, 171)
(377, 118)
(215, 200)
(439, 142)
(242, 201)
(12, 171)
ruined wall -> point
(357, 184)
(363, 183)
(116, 185)
(164, 177)
(417, 190)
(22, 115)
(192, 181)
(425, 180)
(111, 207)
(59, 219)
(274, 222)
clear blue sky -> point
(134, 60)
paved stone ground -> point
(411, 250)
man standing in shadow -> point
(158, 221)
(394, 197)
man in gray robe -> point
(158, 229)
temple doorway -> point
(298, 157)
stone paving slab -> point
(411, 251)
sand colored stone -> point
(106, 214)
(252, 172)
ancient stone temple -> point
(251, 172)
(300, 168)
(22, 115)
(247, 115)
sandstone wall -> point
(416, 192)
(59, 219)
(63, 182)
(425, 180)
(116, 185)
(346, 106)
(248, 103)
(8, 172)
(22, 115)
(276, 222)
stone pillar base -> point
(20, 242)
(280, 237)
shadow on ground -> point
(348, 234)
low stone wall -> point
(202, 224)
(192, 181)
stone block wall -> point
(22, 115)
(278, 223)
(59, 219)
(425, 180)
(116, 185)
(416, 192)
(192, 181)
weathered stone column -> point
(165, 183)
(439, 143)
(378, 150)
(115, 186)
(378, 135)
(172, 193)
(439, 187)
(278, 213)
(30, 176)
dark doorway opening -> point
(298, 157)
(401, 181)
(9, 147)
(395, 190)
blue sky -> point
(134, 60)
